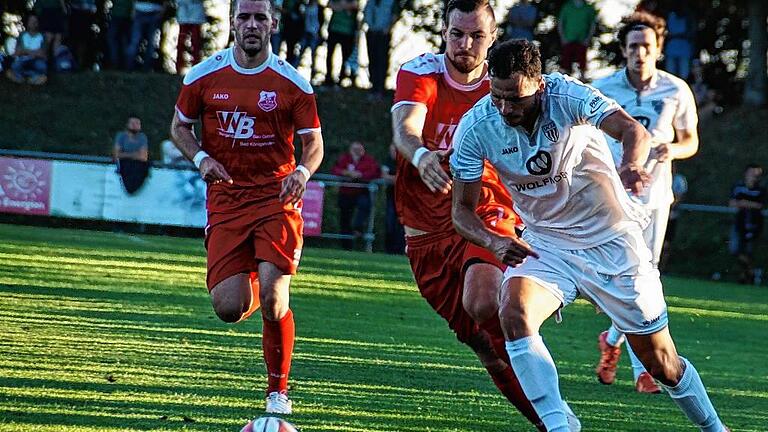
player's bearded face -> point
(468, 37)
(253, 24)
(518, 98)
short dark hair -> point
(467, 6)
(753, 166)
(515, 56)
(271, 3)
(641, 21)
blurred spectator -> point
(748, 198)
(275, 40)
(119, 33)
(678, 50)
(190, 14)
(82, 17)
(313, 17)
(351, 67)
(394, 241)
(53, 22)
(131, 153)
(575, 25)
(707, 99)
(521, 20)
(147, 17)
(650, 6)
(30, 60)
(291, 28)
(357, 166)
(341, 32)
(379, 16)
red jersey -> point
(249, 118)
(425, 81)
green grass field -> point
(110, 332)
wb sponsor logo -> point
(540, 163)
(551, 132)
(235, 124)
(509, 150)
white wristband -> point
(302, 169)
(198, 159)
(418, 154)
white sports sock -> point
(689, 394)
(637, 366)
(537, 374)
(614, 337)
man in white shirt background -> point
(665, 106)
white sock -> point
(614, 337)
(689, 394)
(537, 374)
(637, 366)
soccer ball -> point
(269, 424)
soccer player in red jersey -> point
(251, 103)
(458, 279)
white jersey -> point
(562, 177)
(666, 104)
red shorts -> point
(573, 52)
(238, 241)
(439, 261)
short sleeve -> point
(467, 160)
(414, 89)
(686, 117)
(305, 118)
(587, 105)
(189, 104)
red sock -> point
(505, 380)
(277, 342)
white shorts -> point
(617, 277)
(655, 232)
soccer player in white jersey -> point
(542, 134)
(664, 104)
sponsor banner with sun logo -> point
(25, 186)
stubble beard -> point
(465, 67)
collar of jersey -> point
(652, 84)
(246, 71)
(464, 87)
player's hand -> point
(634, 177)
(432, 173)
(512, 251)
(213, 172)
(662, 152)
(293, 188)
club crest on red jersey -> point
(267, 100)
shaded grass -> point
(109, 332)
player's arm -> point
(509, 250)
(295, 184)
(687, 145)
(407, 126)
(183, 136)
(636, 142)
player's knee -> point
(273, 308)
(514, 320)
(479, 308)
(227, 312)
